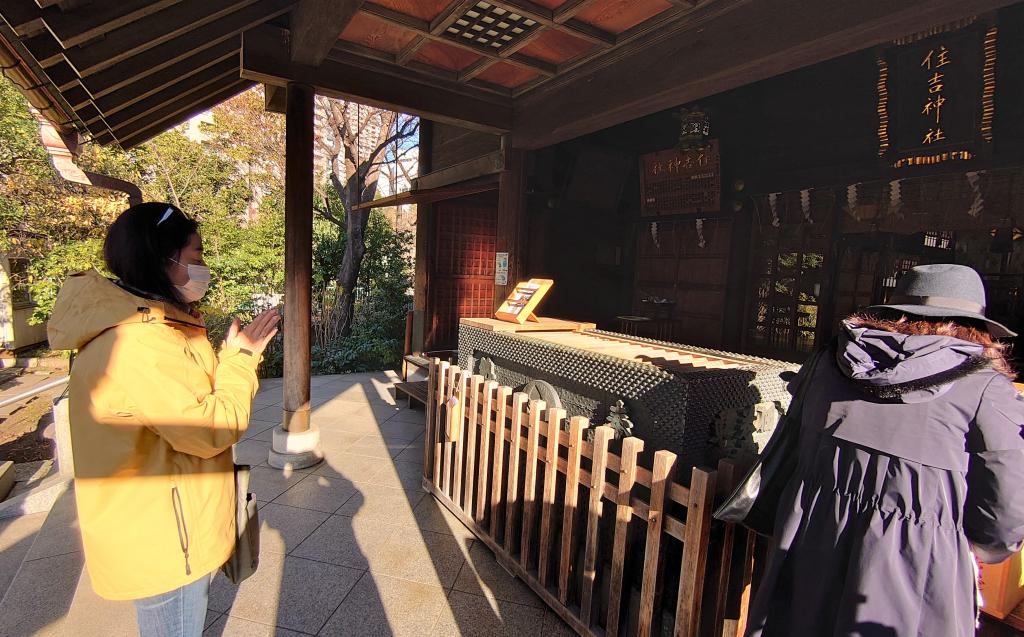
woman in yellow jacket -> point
(154, 412)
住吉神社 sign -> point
(936, 97)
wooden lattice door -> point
(462, 270)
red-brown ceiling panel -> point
(422, 9)
(550, 4)
(617, 16)
(446, 57)
(507, 75)
(556, 47)
(377, 34)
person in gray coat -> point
(911, 458)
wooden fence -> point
(537, 493)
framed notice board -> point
(681, 181)
(524, 299)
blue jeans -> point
(177, 613)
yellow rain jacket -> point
(154, 413)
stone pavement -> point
(350, 547)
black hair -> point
(138, 246)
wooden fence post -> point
(698, 528)
(631, 448)
(661, 477)
(475, 383)
(485, 449)
(555, 418)
(428, 436)
(572, 492)
(512, 500)
(499, 458)
(529, 497)
(602, 436)
(443, 373)
(459, 432)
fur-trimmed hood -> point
(908, 368)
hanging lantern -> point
(773, 201)
(694, 128)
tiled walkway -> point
(353, 546)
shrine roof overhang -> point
(542, 71)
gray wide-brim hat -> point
(943, 290)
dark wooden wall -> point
(813, 128)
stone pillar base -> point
(295, 450)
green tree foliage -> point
(228, 174)
(54, 224)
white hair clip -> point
(168, 213)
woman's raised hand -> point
(254, 336)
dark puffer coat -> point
(911, 456)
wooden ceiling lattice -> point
(537, 41)
(490, 27)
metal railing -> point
(35, 391)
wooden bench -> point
(415, 391)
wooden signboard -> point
(936, 97)
(676, 182)
(524, 299)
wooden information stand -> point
(524, 299)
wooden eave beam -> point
(220, 74)
(490, 164)
(433, 194)
(275, 98)
(85, 23)
(184, 46)
(343, 47)
(422, 29)
(419, 67)
(133, 137)
(193, 65)
(695, 59)
(265, 59)
(316, 25)
(151, 31)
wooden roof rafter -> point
(150, 129)
(81, 24)
(149, 32)
(349, 76)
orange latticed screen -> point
(465, 242)
(462, 282)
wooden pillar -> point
(298, 255)
(511, 231)
(424, 243)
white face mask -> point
(197, 285)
